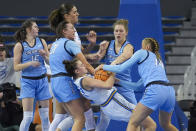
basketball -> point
(102, 75)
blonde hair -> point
(123, 22)
(154, 47)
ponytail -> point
(57, 15)
(55, 18)
(155, 47)
(21, 33)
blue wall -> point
(144, 20)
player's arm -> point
(100, 53)
(74, 49)
(89, 82)
(131, 85)
(127, 53)
(88, 66)
(45, 52)
(17, 59)
(92, 38)
(136, 58)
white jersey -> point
(77, 38)
(48, 69)
(114, 105)
(97, 95)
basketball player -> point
(158, 94)
(65, 91)
(68, 12)
(117, 51)
(30, 52)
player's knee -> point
(152, 126)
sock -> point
(103, 122)
(26, 121)
(66, 124)
(44, 115)
(57, 119)
(89, 120)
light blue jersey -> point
(149, 68)
(62, 85)
(34, 84)
(158, 94)
(62, 49)
(110, 56)
(32, 54)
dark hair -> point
(70, 66)
(21, 33)
(60, 27)
(57, 15)
(154, 47)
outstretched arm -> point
(89, 82)
(88, 66)
(137, 57)
(132, 85)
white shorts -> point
(118, 108)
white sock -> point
(103, 122)
(66, 124)
(89, 120)
(26, 121)
(44, 115)
(57, 119)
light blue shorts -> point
(159, 97)
(37, 89)
(64, 89)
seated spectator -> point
(7, 73)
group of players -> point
(73, 88)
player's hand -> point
(35, 63)
(42, 53)
(103, 46)
(92, 36)
(99, 67)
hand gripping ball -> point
(102, 75)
